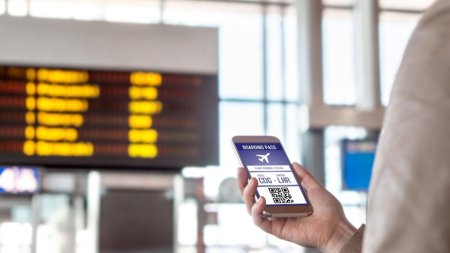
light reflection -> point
(15, 236)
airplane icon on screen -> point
(263, 158)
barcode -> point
(281, 195)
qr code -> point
(281, 195)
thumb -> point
(306, 179)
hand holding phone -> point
(265, 159)
(326, 229)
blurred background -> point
(316, 74)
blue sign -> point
(19, 180)
(358, 157)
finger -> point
(307, 180)
(257, 215)
(242, 179)
(249, 194)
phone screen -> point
(269, 164)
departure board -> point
(107, 118)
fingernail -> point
(260, 200)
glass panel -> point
(187, 228)
(354, 202)
(291, 141)
(237, 119)
(17, 7)
(356, 214)
(59, 9)
(274, 55)
(275, 122)
(240, 40)
(338, 58)
(406, 4)
(285, 127)
(292, 90)
(15, 222)
(2, 7)
(139, 12)
(338, 2)
(395, 30)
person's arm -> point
(409, 199)
(326, 229)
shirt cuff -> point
(354, 245)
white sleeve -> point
(409, 197)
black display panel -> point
(74, 117)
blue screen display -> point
(251, 153)
(269, 164)
(357, 159)
(19, 180)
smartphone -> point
(265, 159)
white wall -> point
(50, 42)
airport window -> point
(241, 32)
(338, 2)
(281, 54)
(258, 92)
(338, 57)
(64, 9)
(139, 12)
(282, 88)
(240, 36)
(400, 27)
(354, 202)
(238, 117)
(291, 92)
(2, 7)
(17, 7)
(405, 4)
(275, 59)
(398, 19)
